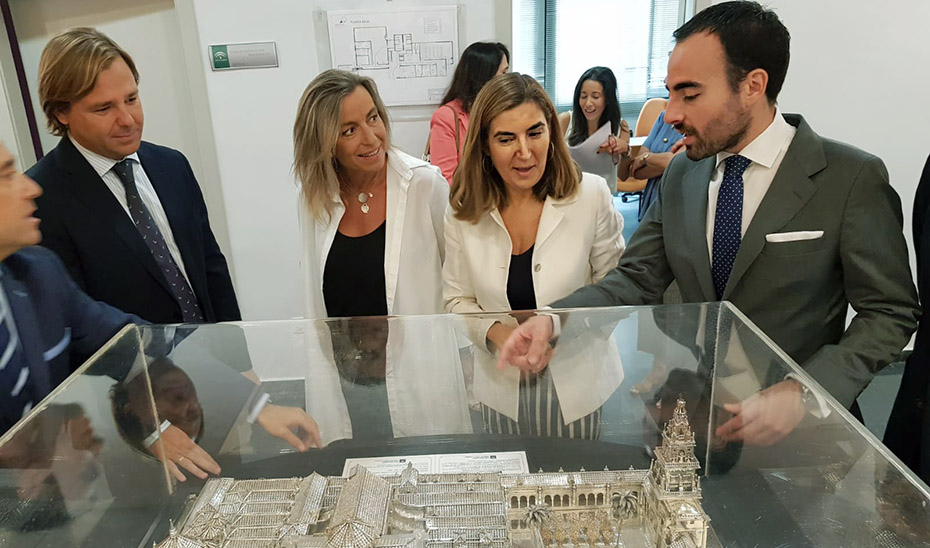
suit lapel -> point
(790, 190)
(694, 207)
(548, 221)
(27, 328)
(88, 188)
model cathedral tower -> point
(675, 468)
(673, 488)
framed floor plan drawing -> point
(410, 53)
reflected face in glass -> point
(592, 100)
(360, 349)
(109, 119)
(18, 227)
(504, 66)
(176, 400)
(518, 143)
(702, 104)
(362, 143)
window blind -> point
(557, 40)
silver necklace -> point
(363, 199)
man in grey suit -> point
(788, 226)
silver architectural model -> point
(659, 507)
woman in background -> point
(594, 104)
(657, 151)
(525, 228)
(479, 63)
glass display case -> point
(671, 426)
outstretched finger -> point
(313, 430)
(203, 459)
(291, 438)
(730, 429)
(510, 353)
(175, 471)
(734, 408)
(539, 348)
(191, 467)
(310, 428)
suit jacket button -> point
(537, 267)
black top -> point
(353, 280)
(520, 292)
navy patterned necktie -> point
(151, 235)
(16, 397)
(728, 221)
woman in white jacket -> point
(372, 221)
(525, 227)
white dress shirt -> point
(766, 153)
(104, 168)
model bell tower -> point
(675, 468)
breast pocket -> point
(786, 244)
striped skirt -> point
(539, 414)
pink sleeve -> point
(442, 151)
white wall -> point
(252, 114)
(149, 30)
(853, 66)
(14, 126)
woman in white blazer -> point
(372, 221)
(525, 228)
(353, 185)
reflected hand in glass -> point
(182, 452)
(766, 417)
(175, 401)
(528, 347)
(283, 422)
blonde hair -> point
(477, 187)
(69, 67)
(316, 130)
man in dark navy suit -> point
(126, 217)
(47, 325)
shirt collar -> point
(403, 164)
(101, 164)
(764, 149)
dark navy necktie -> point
(728, 221)
(16, 397)
(145, 224)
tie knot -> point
(123, 170)
(736, 165)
